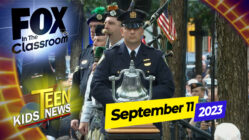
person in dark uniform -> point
(112, 25)
(82, 72)
(148, 59)
(92, 111)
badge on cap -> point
(113, 13)
(133, 14)
(99, 16)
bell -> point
(131, 88)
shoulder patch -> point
(83, 62)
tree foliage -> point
(89, 5)
(198, 11)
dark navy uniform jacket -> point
(80, 78)
(148, 59)
(85, 63)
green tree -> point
(89, 5)
(202, 17)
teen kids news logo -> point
(53, 104)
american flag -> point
(166, 23)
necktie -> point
(133, 55)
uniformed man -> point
(113, 25)
(148, 59)
(93, 111)
(81, 75)
(197, 89)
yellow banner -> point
(151, 111)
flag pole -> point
(156, 15)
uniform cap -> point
(113, 10)
(133, 19)
(195, 85)
(98, 15)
